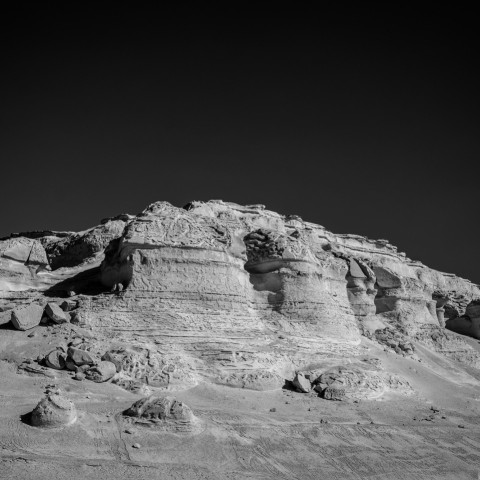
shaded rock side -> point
(56, 314)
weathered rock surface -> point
(358, 381)
(166, 413)
(101, 372)
(236, 295)
(26, 316)
(80, 357)
(56, 359)
(55, 410)
(301, 383)
(56, 314)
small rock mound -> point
(54, 410)
(167, 413)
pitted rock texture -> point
(54, 410)
(166, 413)
(234, 295)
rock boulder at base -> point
(335, 391)
(27, 316)
(55, 410)
(56, 314)
(80, 357)
(163, 412)
(56, 360)
(301, 383)
(101, 372)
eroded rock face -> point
(165, 413)
(236, 295)
(358, 381)
(55, 410)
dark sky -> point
(366, 123)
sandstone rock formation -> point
(214, 295)
(231, 294)
(54, 410)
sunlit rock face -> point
(221, 283)
(233, 294)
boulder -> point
(27, 316)
(301, 383)
(55, 410)
(56, 314)
(335, 391)
(164, 412)
(56, 359)
(101, 372)
(80, 357)
(115, 359)
(70, 364)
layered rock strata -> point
(235, 294)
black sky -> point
(366, 123)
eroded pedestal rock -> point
(55, 410)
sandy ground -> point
(305, 437)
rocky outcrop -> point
(236, 295)
(165, 413)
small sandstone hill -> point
(230, 294)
